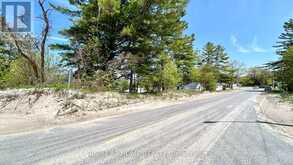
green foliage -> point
(170, 76)
(227, 77)
(208, 54)
(208, 78)
(286, 38)
(126, 39)
(100, 81)
(57, 86)
(216, 57)
(185, 57)
(20, 73)
(166, 78)
(247, 81)
(287, 69)
(283, 67)
(120, 85)
(257, 77)
(194, 75)
(4, 68)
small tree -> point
(195, 75)
(170, 76)
(208, 78)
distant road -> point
(220, 130)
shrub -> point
(208, 78)
(120, 85)
(19, 74)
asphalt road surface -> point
(220, 130)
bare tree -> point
(44, 36)
(26, 45)
(24, 48)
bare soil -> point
(278, 112)
(27, 110)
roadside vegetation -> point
(257, 77)
(283, 68)
(125, 46)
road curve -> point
(220, 130)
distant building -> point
(193, 86)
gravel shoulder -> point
(278, 113)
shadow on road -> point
(250, 122)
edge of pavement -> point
(263, 105)
(87, 123)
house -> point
(193, 86)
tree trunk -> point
(34, 66)
(44, 38)
(131, 82)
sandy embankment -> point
(27, 110)
(280, 114)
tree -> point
(239, 69)
(216, 57)
(170, 76)
(286, 75)
(185, 57)
(257, 77)
(221, 58)
(208, 54)
(7, 56)
(208, 78)
(126, 38)
(282, 68)
(165, 77)
(227, 77)
(44, 36)
(27, 46)
(286, 38)
(194, 74)
(19, 73)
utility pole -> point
(69, 78)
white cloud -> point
(252, 48)
(238, 46)
(58, 39)
(255, 47)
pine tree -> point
(185, 57)
(208, 55)
(221, 58)
(286, 38)
(127, 37)
(283, 67)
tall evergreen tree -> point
(185, 57)
(126, 37)
(208, 54)
(286, 38)
(221, 58)
(282, 67)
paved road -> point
(221, 130)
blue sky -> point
(247, 28)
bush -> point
(208, 78)
(120, 85)
(170, 76)
(19, 74)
